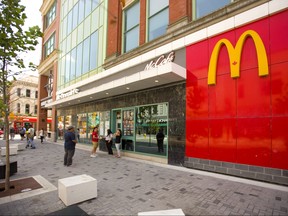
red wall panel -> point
(244, 119)
(279, 142)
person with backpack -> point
(22, 132)
(31, 134)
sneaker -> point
(93, 156)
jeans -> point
(109, 147)
(31, 142)
(69, 153)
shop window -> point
(60, 127)
(204, 7)
(131, 27)
(93, 121)
(149, 120)
(104, 123)
(158, 18)
(82, 125)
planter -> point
(13, 169)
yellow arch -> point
(235, 56)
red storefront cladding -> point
(241, 120)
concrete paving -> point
(128, 186)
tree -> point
(14, 41)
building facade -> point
(202, 72)
(48, 66)
(23, 104)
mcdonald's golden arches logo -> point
(235, 56)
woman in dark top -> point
(118, 136)
(108, 140)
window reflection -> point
(149, 119)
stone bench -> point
(20, 146)
(77, 189)
(174, 212)
(12, 150)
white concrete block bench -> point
(20, 146)
(172, 212)
(12, 150)
(77, 189)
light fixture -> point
(107, 93)
(156, 81)
(91, 97)
(127, 88)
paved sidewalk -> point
(127, 186)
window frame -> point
(124, 47)
(50, 15)
(148, 18)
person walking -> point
(160, 139)
(69, 145)
(118, 136)
(31, 134)
(95, 140)
(22, 133)
(41, 134)
(108, 139)
(12, 132)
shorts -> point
(95, 145)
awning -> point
(122, 83)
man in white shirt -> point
(31, 137)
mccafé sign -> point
(235, 56)
(162, 60)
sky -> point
(33, 18)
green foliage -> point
(14, 41)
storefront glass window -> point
(60, 127)
(82, 125)
(93, 121)
(149, 120)
(104, 123)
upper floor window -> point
(49, 46)
(158, 18)
(28, 92)
(18, 92)
(204, 7)
(27, 109)
(36, 94)
(35, 109)
(131, 27)
(51, 14)
(18, 108)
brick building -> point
(212, 76)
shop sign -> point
(162, 60)
(43, 103)
(235, 56)
(67, 94)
